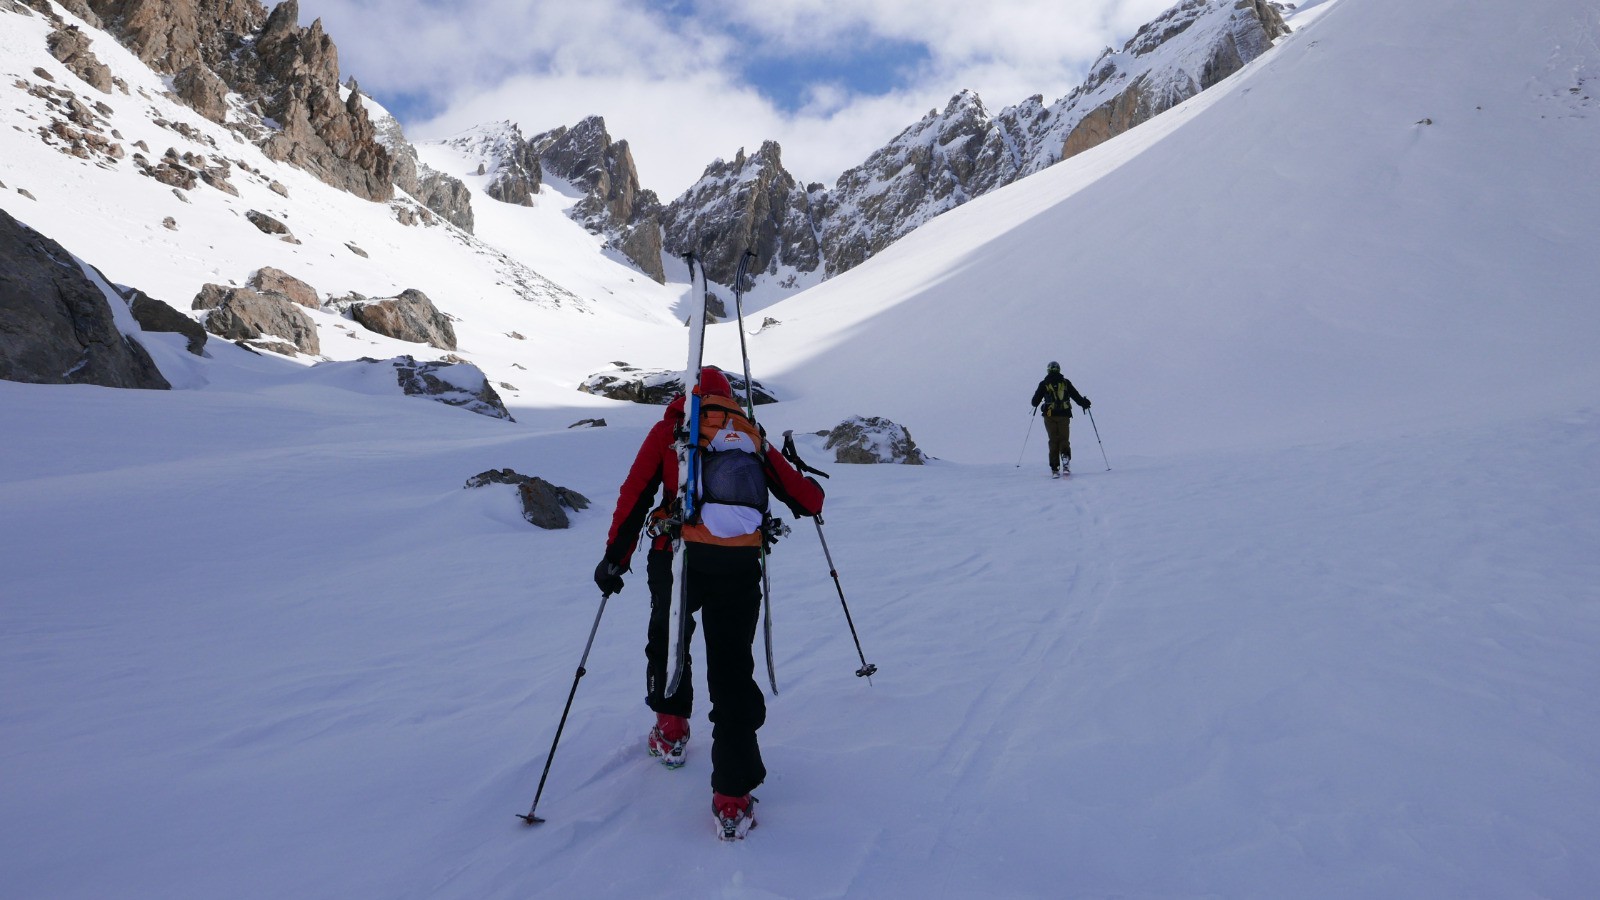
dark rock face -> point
(268, 321)
(503, 154)
(154, 315)
(657, 386)
(928, 169)
(1232, 33)
(56, 325)
(750, 203)
(956, 154)
(455, 384)
(409, 317)
(543, 504)
(873, 439)
(613, 203)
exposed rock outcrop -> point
(446, 195)
(749, 203)
(928, 169)
(200, 87)
(657, 386)
(287, 74)
(956, 154)
(319, 132)
(267, 321)
(613, 204)
(454, 384)
(56, 325)
(268, 280)
(154, 315)
(543, 504)
(411, 316)
(1223, 35)
(70, 46)
(873, 439)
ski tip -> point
(530, 819)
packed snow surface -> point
(1315, 615)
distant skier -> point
(1057, 394)
(722, 550)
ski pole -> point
(530, 818)
(1031, 416)
(1097, 438)
(867, 669)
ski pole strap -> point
(793, 456)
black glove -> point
(608, 577)
(1085, 403)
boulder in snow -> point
(871, 439)
(409, 317)
(154, 315)
(268, 280)
(657, 386)
(543, 504)
(268, 321)
(456, 384)
(56, 325)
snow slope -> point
(1289, 256)
(1327, 631)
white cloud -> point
(666, 77)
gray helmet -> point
(1053, 367)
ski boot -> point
(668, 739)
(735, 815)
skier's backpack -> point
(1055, 398)
(733, 481)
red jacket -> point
(656, 466)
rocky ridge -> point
(243, 67)
(613, 204)
(960, 152)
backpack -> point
(733, 480)
(1055, 398)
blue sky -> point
(690, 81)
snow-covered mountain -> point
(1315, 618)
(956, 154)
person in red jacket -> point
(723, 559)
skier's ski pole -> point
(1097, 438)
(1031, 416)
(530, 818)
(867, 669)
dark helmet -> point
(1054, 366)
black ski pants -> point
(725, 590)
(1058, 430)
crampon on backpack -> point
(733, 480)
